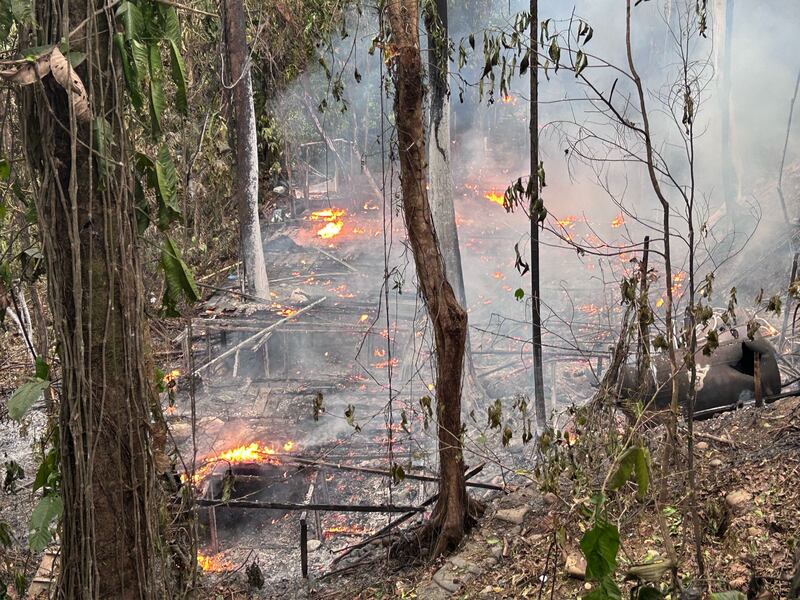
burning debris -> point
(332, 217)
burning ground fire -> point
(251, 453)
(333, 221)
(212, 564)
(495, 197)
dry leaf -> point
(69, 80)
(28, 73)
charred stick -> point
(365, 508)
(373, 471)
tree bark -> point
(449, 518)
(536, 305)
(440, 175)
(95, 291)
(240, 88)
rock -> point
(716, 463)
(575, 566)
(313, 545)
(512, 515)
(550, 498)
(432, 591)
(737, 500)
(487, 590)
(447, 580)
(701, 445)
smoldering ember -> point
(399, 299)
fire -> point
(363, 318)
(498, 275)
(250, 453)
(495, 197)
(212, 564)
(283, 311)
(345, 530)
(333, 221)
(386, 363)
(172, 376)
(567, 221)
(589, 309)
(379, 352)
(618, 221)
(506, 99)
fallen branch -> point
(361, 508)
(400, 520)
(259, 342)
(264, 335)
(338, 260)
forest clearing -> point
(344, 299)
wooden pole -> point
(757, 379)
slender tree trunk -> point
(536, 314)
(240, 85)
(723, 30)
(89, 239)
(449, 319)
(440, 176)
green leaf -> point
(22, 11)
(42, 368)
(128, 71)
(519, 294)
(140, 59)
(24, 397)
(634, 461)
(47, 474)
(166, 180)
(607, 590)
(5, 170)
(179, 77)
(172, 26)
(103, 140)
(132, 20)
(5, 537)
(178, 279)
(157, 100)
(732, 595)
(555, 53)
(648, 593)
(600, 546)
(50, 508)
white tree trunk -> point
(440, 194)
(255, 282)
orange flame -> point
(618, 221)
(212, 564)
(251, 453)
(495, 197)
(386, 363)
(567, 221)
(346, 530)
(333, 221)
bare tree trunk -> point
(240, 85)
(536, 314)
(96, 296)
(440, 176)
(449, 319)
(723, 31)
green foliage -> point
(48, 476)
(49, 509)
(25, 396)
(177, 277)
(600, 545)
(14, 473)
(732, 595)
(634, 461)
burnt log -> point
(726, 380)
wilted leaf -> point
(69, 80)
